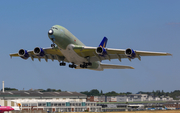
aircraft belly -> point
(71, 55)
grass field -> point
(157, 111)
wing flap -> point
(149, 53)
(111, 66)
(110, 56)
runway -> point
(156, 111)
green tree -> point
(112, 93)
(86, 93)
(94, 92)
(128, 93)
(9, 89)
(167, 93)
(50, 90)
(153, 93)
(101, 92)
(162, 93)
(122, 93)
(59, 90)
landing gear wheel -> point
(53, 45)
(72, 65)
(62, 64)
(89, 64)
(82, 66)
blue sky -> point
(140, 25)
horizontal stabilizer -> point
(111, 66)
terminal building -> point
(128, 98)
(48, 101)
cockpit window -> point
(54, 28)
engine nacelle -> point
(39, 51)
(23, 54)
(130, 53)
(101, 51)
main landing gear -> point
(84, 65)
(72, 65)
(53, 45)
(62, 64)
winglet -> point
(103, 42)
(131, 67)
(169, 54)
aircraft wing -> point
(50, 53)
(113, 53)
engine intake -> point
(39, 51)
(101, 51)
(23, 54)
(130, 53)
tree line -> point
(41, 90)
(95, 92)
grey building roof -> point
(37, 94)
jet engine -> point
(130, 53)
(39, 51)
(23, 54)
(101, 51)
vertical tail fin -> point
(103, 42)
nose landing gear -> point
(53, 45)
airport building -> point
(48, 101)
(127, 98)
(172, 105)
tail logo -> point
(103, 42)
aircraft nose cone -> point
(50, 32)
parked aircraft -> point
(70, 49)
(7, 108)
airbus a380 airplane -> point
(72, 50)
